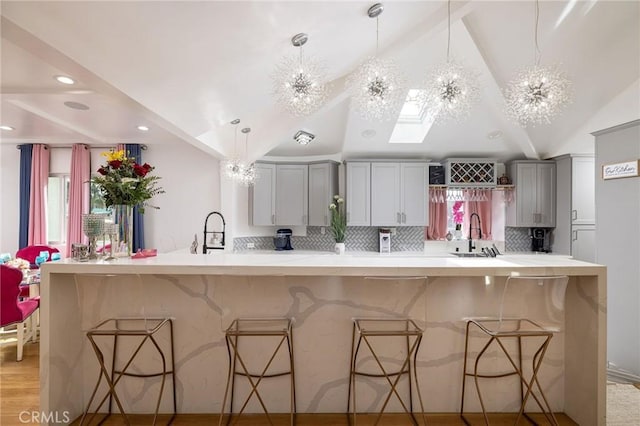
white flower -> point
(332, 206)
(336, 197)
(340, 200)
(128, 180)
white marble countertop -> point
(314, 263)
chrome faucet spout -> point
(471, 228)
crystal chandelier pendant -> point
(451, 92)
(536, 95)
(377, 89)
(377, 86)
(298, 82)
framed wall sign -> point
(620, 170)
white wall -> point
(623, 108)
(618, 245)
(190, 178)
(9, 198)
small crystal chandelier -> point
(536, 95)
(298, 82)
(236, 168)
(451, 89)
(377, 87)
(247, 174)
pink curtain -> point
(437, 229)
(79, 192)
(38, 195)
(482, 208)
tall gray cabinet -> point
(575, 230)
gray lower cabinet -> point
(583, 243)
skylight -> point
(414, 122)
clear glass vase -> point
(123, 218)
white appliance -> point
(385, 240)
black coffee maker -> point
(282, 240)
(538, 238)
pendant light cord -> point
(448, 28)
(377, 33)
(235, 142)
(537, 49)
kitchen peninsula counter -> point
(323, 292)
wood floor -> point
(19, 397)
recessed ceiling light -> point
(76, 105)
(3, 127)
(143, 128)
(494, 135)
(369, 133)
(64, 79)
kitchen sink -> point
(467, 254)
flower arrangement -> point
(338, 225)
(123, 181)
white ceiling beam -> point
(511, 131)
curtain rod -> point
(142, 146)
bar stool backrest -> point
(537, 298)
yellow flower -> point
(114, 155)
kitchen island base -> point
(323, 299)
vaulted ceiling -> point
(186, 69)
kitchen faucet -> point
(471, 228)
(220, 243)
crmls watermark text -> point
(52, 417)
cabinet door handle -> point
(535, 218)
(575, 236)
(398, 220)
(325, 219)
(404, 218)
(273, 219)
(574, 214)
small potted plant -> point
(338, 224)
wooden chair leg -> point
(20, 328)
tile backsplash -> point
(359, 238)
(517, 239)
(365, 238)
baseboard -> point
(617, 374)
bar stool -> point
(138, 337)
(278, 330)
(376, 334)
(504, 328)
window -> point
(57, 208)
(97, 202)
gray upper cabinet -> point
(262, 196)
(292, 186)
(358, 200)
(399, 194)
(534, 204)
(583, 191)
(323, 185)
